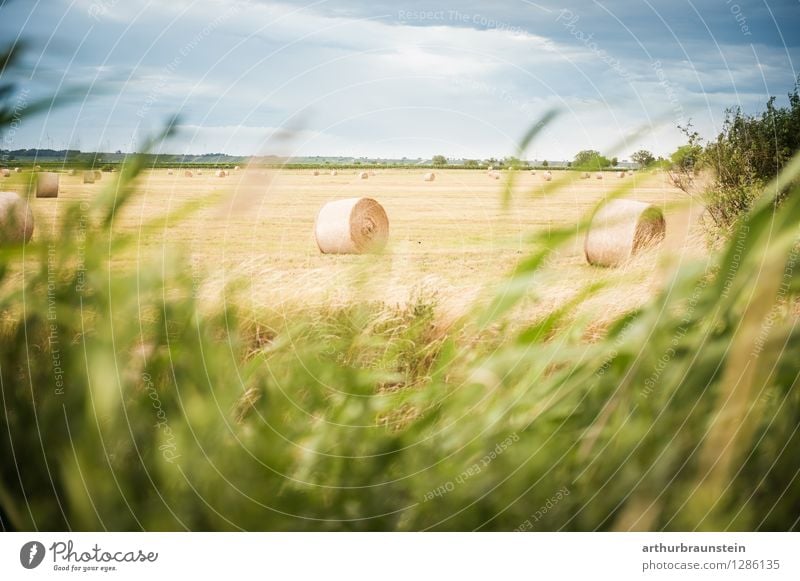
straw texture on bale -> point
(220, 173)
(16, 219)
(47, 185)
(6, 173)
(599, 176)
(351, 226)
(363, 175)
(547, 176)
(187, 174)
(430, 176)
(88, 177)
(620, 229)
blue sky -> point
(393, 79)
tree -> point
(590, 159)
(643, 158)
(614, 162)
(471, 163)
(439, 160)
(545, 164)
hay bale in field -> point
(630, 172)
(220, 173)
(491, 168)
(98, 175)
(170, 172)
(18, 170)
(6, 173)
(236, 168)
(37, 168)
(16, 219)
(199, 172)
(620, 174)
(351, 226)
(47, 184)
(429, 177)
(363, 175)
(334, 172)
(372, 173)
(620, 229)
(547, 176)
(88, 177)
(533, 172)
(495, 175)
(585, 175)
(599, 176)
(187, 174)
(71, 172)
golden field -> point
(450, 239)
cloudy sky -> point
(409, 78)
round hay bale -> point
(585, 175)
(491, 168)
(363, 175)
(220, 173)
(47, 184)
(98, 175)
(236, 168)
(187, 174)
(199, 172)
(16, 219)
(351, 226)
(88, 177)
(547, 176)
(170, 172)
(37, 168)
(430, 176)
(18, 170)
(334, 172)
(533, 172)
(315, 172)
(6, 173)
(620, 174)
(620, 229)
(630, 172)
(599, 176)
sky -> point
(464, 79)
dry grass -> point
(451, 238)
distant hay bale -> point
(363, 175)
(187, 174)
(6, 173)
(37, 168)
(547, 176)
(351, 226)
(18, 170)
(47, 185)
(334, 172)
(71, 172)
(585, 175)
(372, 173)
(495, 175)
(16, 219)
(98, 175)
(315, 172)
(170, 172)
(236, 168)
(88, 177)
(630, 172)
(620, 229)
(599, 176)
(533, 172)
(199, 172)
(430, 176)
(620, 174)
(220, 173)
(491, 168)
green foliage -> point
(590, 160)
(439, 161)
(643, 158)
